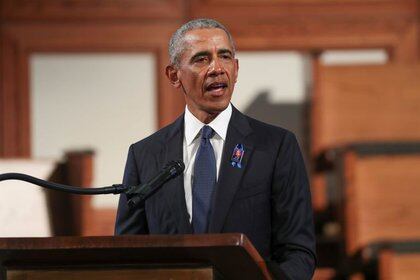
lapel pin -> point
(237, 156)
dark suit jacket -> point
(268, 199)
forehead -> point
(206, 39)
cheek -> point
(189, 81)
(232, 72)
(199, 79)
(194, 76)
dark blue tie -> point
(203, 182)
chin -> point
(219, 106)
(219, 103)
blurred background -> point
(80, 80)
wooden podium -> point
(212, 256)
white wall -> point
(23, 206)
(282, 74)
(102, 102)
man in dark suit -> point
(241, 175)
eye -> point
(200, 59)
(226, 56)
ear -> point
(172, 74)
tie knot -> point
(207, 132)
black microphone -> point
(138, 194)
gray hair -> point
(177, 40)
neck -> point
(205, 117)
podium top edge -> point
(124, 241)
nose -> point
(216, 67)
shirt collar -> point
(219, 124)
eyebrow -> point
(202, 53)
(222, 51)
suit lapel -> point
(229, 176)
(174, 189)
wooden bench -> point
(360, 104)
(381, 198)
(394, 265)
(353, 104)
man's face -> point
(207, 71)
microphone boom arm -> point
(135, 194)
(115, 189)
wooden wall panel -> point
(59, 10)
(90, 36)
(13, 125)
(407, 48)
(311, 24)
(315, 35)
(266, 10)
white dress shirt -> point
(191, 143)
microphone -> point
(138, 194)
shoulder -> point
(270, 135)
(154, 142)
(266, 129)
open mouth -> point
(216, 86)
